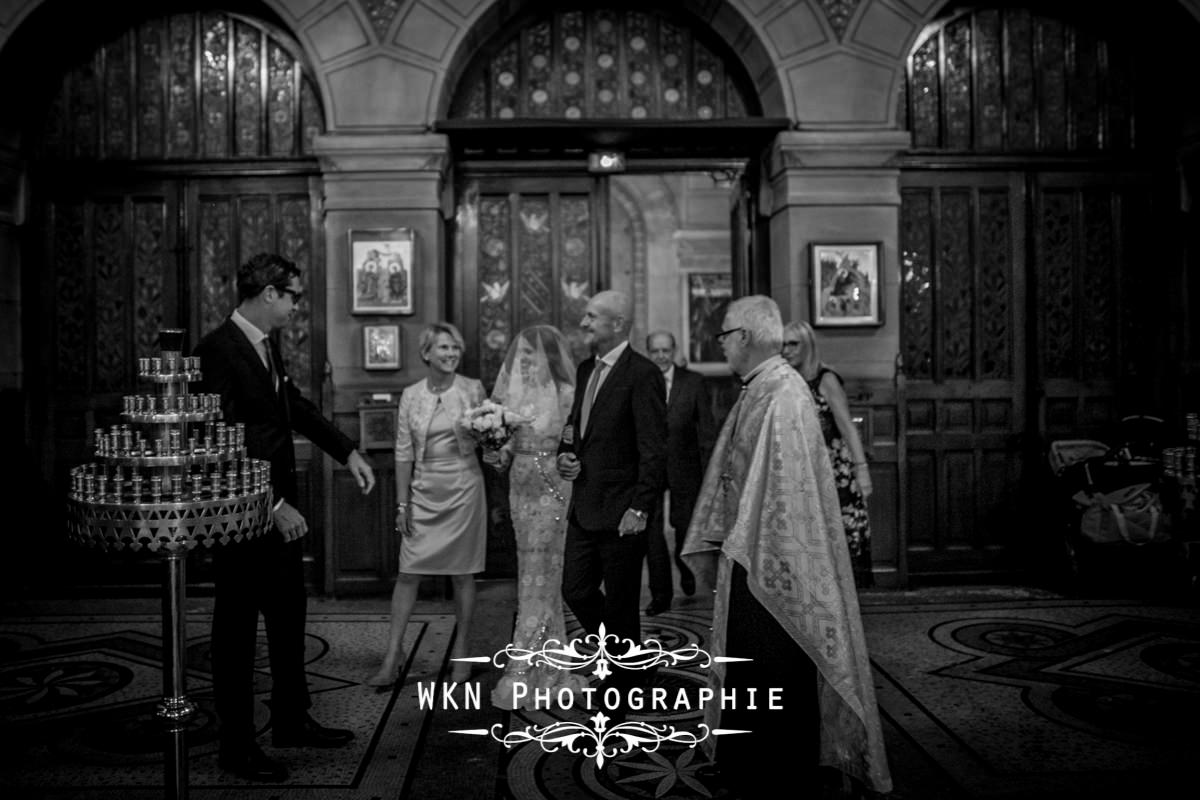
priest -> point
(769, 522)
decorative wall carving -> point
(601, 63)
(188, 86)
(839, 12)
(381, 13)
(1011, 80)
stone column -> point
(376, 181)
(837, 186)
(844, 187)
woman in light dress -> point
(441, 508)
(537, 382)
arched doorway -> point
(654, 88)
(543, 222)
(1039, 178)
(164, 152)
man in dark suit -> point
(689, 442)
(614, 450)
(241, 364)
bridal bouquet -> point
(491, 425)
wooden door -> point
(1095, 266)
(112, 280)
(126, 257)
(529, 250)
(963, 343)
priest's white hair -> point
(759, 316)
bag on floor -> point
(1130, 514)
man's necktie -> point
(266, 344)
(589, 397)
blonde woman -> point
(441, 507)
(851, 473)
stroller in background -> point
(1115, 534)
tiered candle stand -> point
(172, 478)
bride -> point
(537, 382)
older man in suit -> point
(266, 574)
(613, 450)
(690, 432)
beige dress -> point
(449, 507)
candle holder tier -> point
(168, 527)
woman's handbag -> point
(1132, 514)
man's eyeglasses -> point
(295, 294)
(720, 337)
(791, 343)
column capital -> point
(844, 149)
(377, 152)
(380, 171)
(835, 168)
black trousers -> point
(592, 559)
(263, 575)
(785, 741)
(658, 555)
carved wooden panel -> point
(916, 281)
(962, 336)
(236, 219)
(1006, 79)
(602, 63)
(957, 281)
(1096, 302)
(208, 85)
(68, 253)
(533, 261)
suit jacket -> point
(690, 433)
(622, 454)
(233, 369)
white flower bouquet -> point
(491, 425)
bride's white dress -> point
(538, 498)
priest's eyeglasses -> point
(720, 337)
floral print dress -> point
(854, 506)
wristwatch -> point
(639, 514)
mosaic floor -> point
(1042, 698)
(984, 695)
(78, 697)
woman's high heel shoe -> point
(387, 675)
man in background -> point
(266, 574)
(689, 442)
(768, 513)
